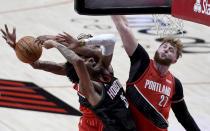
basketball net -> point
(168, 26)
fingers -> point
(38, 42)
(14, 31)
(61, 35)
(62, 38)
(3, 32)
(4, 37)
(11, 44)
(59, 39)
(6, 28)
(67, 34)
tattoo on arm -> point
(53, 67)
(68, 54)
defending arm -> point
(126, 34)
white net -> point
(167, 26)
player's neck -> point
(163, 69)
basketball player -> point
(88, 122)
(100, 88)
(151, 89)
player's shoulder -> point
(177, 81)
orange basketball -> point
(27, 50)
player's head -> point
(70, 70)
(94, 68)
(168, 52)
(71, 73)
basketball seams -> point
(27, 51)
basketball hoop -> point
(168, 26)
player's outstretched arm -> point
(49, 66)
(183, 116)
(126, 34)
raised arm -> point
(89, 52)
(126, 34)
(106, 41)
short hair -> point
(175, 43)
(71, 73)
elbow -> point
(79, 62)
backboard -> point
(192, 10)
(107, 7)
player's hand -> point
(35, 64)
(41, 39)
(49, 44)
(72, 43)
(10, 38)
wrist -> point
(56, 45)
(82, 43)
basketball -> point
(27, 50)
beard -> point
(166, 62)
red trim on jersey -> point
(108, 77)
(76, 87)
(177, 100)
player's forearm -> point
(88, 52)
(126, 34)
(120, 23)
(183, 116)
(53, 67)
(71, 57)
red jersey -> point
(88, 121)
(158, 90)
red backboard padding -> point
(192, 10)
